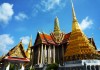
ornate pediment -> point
(17, 51)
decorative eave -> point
(16, 59)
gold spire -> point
(30, 43)
(73, 11)
(28, 51)
(56, 25)
(75, 24)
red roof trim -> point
(17, 59)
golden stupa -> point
(79, 46)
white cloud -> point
(86, 23)
(5, 41)
(6, 12)
(25, 40)
(21, 16)
(49, 5)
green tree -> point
(11, 66)
(53, 66)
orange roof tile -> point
(49, 39)
(66, 37)
(46, 38)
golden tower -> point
(57, 35)
(56, 26)
(28, 51)
(79, 46)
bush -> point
(11, 66)
(53, 66)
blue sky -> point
(21, 19)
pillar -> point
(85, 66)
(94, 67)
(45, 59)
(49, 55)
(41, 53)
(53, 54)
(15, 67)
(22, 68)
(4, 67)
(32, 57)
(38, 54)
(90, 67)
(19, 66)
(63, 53)
(8, 66)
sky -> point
(21, 19)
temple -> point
(72, 50)
(17, 58)
(49, 48)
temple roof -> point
(92, 42)
(44, 38)
(16, 54)
(17, 51)
(66, 38)
(48, 39)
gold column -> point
(53, 54)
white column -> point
(90, 67)
(41, 53)
(94, 67)
(22, 68)
(45, 59)
(7, 68)
(38, 54)
(49, 55)
(53, 54)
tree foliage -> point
(53, 66)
